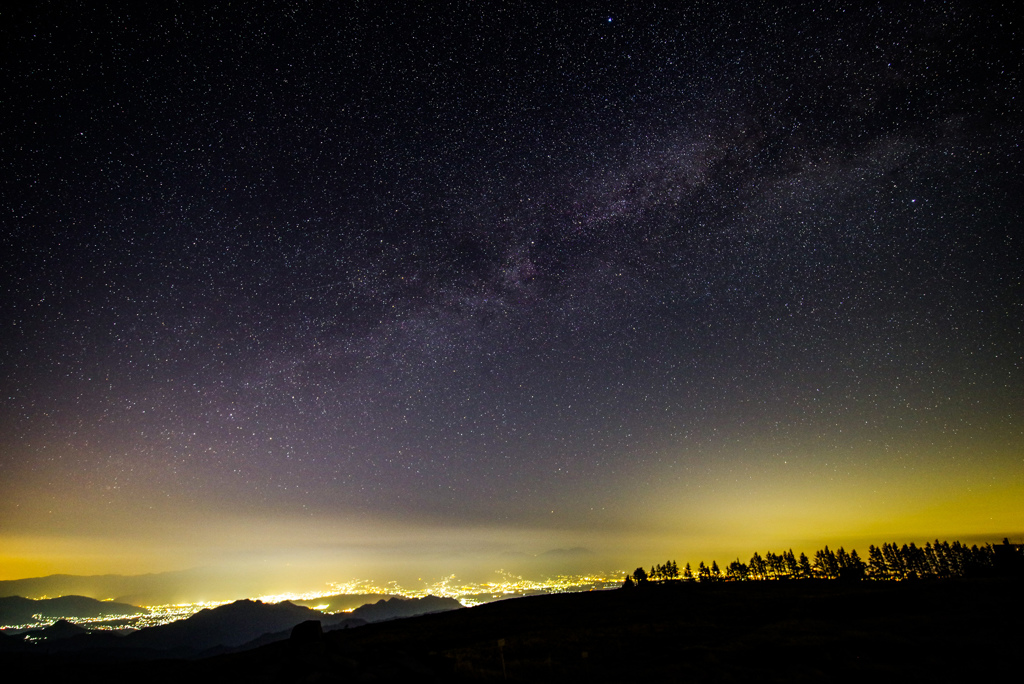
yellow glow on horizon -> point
(751, 496)
(38, 555)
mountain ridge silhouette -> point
(18, 610)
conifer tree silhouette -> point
(805, 566)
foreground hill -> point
(750, 631)
(15, 610)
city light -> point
(467, 593)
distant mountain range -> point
(340, 602)
(403, 607)
(236, 626)
(144, 590)
(15, 610)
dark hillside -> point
(751, 631)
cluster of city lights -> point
(467, 593)
(155, 615)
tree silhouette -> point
(737, 570)
(916, 561)
(856, 562)
(825, 563)
(792, 567)
(957, 553)
(877, 568)
(805, 565)
(776, 563)
(893, 561)
(758, 568)
(888, 561)
(932, 560)
(983, 560)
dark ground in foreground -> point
(750, 631)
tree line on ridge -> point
(886, 562)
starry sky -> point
(441, 287)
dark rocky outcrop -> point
(308, 632)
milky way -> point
(640, 272)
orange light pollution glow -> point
(397, 296)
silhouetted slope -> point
(15, 610)
(271, 637)
(12, 644)
(62, 629)
(755, 631)
(750, 631)
(404, 607)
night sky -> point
(448, 287)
